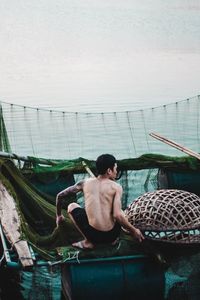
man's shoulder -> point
(116, 185)
(89, 180)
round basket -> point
(167, 215)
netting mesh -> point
(4, 140)
(61, 135)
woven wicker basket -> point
(167, 215)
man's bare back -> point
(99, 194)
(102, 218)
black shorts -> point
(93, 235)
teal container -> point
(135, 277)
(187, 181)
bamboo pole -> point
(175, 145)
(87, 169)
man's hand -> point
(59, 220)
(138, 234)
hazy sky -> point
(104, 54)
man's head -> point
(106, 164)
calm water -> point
(99, 55)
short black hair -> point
(105, 162)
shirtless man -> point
(101, 219)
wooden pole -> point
(11, 225)
(88, 169)
(175, 145)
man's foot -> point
(83, 245)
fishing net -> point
(35, 195)
(66, 135)
(4, 140)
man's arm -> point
(120, 216)
(71, 189)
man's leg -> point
(84, 243)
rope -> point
(2, 258)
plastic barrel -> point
(135, 277)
